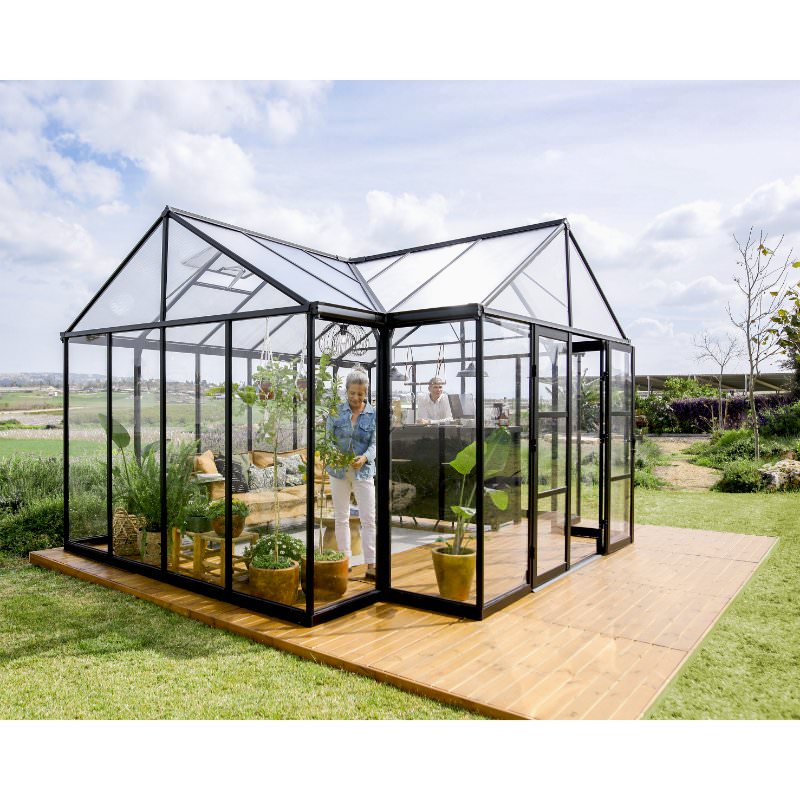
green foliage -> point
(199, 507)
(238, 508)
(680, 387)
(657, 411)
(262, 554)
(328, 555)
(496, 452)
(648, 456)
(37, 526)
(727, 447)
(739, 476)
(783, 421)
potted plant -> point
(198, 517)
(137, 486)
(454, 561)
(239, 512)
(331, 567)
(273, 566)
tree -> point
(719, 351)
(762, 284)
(786, 331)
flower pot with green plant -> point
(239, 512)
(273, 566)
(137, 487)
(454, 561)
(198, 516)
(331, 567)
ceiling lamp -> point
(470, 371)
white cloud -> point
(773, 208)
(406, 218)
(699, 292)
(686, 221)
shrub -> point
(739, 476)
(737, 445)
(262, 553)
(648, 456)
(781, 421)
(39, 525)
(657, 411)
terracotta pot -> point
(151, 547)
(330, 578)
(454, 574)
(219, 525)
(265, 391)
(278, 585)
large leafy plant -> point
(497, 449)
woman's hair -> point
(357, 375)
(436, 380)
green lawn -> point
(72, 650)
(748, 667)
(49, 447)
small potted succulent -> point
(273, 566)
(239, 511)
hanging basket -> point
(125, 533)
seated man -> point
(434, 407)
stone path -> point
(680, 474)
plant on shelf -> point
(454, 561)
(137, 486)
(198, 516)
(239, 512)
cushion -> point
(264, 478)
(241, 463)
(261, 458)
(292, 463)
(205, 462)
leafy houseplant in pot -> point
(239, 512)
(198, 516)
(137, 486)
(273, 566)
(454, 562)
(331, 567)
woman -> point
(353, 429)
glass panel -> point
(551, 517)
(424, 484)
(551, 441)
(620, 445)
(134, 296)
(201, 281)
(511, 300)
(552, 374)
(586, 454)
(414, 270)
(345, 431)
(88, 502)
(543, 284)
(300, 281)
(136, 413)
(479, 271)
(621, 388)
(507, 415)
(339, 275)
(369, 269)
(589, 310)
(620, 510)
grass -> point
(50, 447)
(748, 667)
(72, 650)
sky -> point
(655, 177)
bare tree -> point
(720, 351)
(762, 285)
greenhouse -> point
(204, 381)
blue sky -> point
(655, 178)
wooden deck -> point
(600, 643)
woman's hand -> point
(358, 462)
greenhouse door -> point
(619, 450)
(550, 448)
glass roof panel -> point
(542, 287)
(189, 334)
(202, 281)
(395, 283)
(478, 272)
(308, 286)
(369, 269)
(589, 310)
(134, 296)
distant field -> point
(48, 447)
(23, 401)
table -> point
(200, 555)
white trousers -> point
(365, 500)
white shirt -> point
(434, 410)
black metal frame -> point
(383, 324)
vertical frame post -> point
(568, 456)
(479, 431)
(569, 276)
(632, 423)
(384, 409)
(66, 442)
(197, 406)
(533, 460)
(109, 429)
(228, 560)
(311, 463)
(165, 534)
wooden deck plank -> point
(599, 643)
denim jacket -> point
(360, 439)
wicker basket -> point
(126, 533)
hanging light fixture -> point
(396, 375)
(470, 371)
